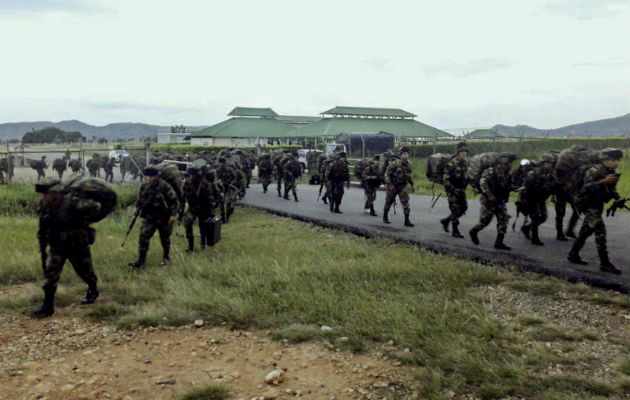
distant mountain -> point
(15, 130)
(610, 127)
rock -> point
(67, 387)
(274, 377)
(344, 339)
(326, 328)
(270, 394)
(198, 323)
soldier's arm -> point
(387, 177)
(449, 171)
(171, 199)
(593, 180)
(140, 201)
(483, 182)
(529, 182)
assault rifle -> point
(133, 222)
(621, 203)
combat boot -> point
(535, 238)
(526, 229)
(91, 295)
(286, 196)
(165, 256)
(325, 199)
(48, 307)
(142, 256)
(456, 233)
(559, 234)
(605, 264)
(372, 212)
(279, 192)
(191, 245)
(445, 222)
(570, 233)
(498, 243)
(203, 237)
(331, 206)
(337, 210)
(264, 189)
(385, 219)
(407, 221)
(473, 236)
(295, 197)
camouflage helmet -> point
(610, 153)
(404, 150)
(150, 171)
(197, 166)
(547, 157)
(46, 184)
(505, 158)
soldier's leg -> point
(457, 212)
(560, 205)
(538, 216)
(165, 239)
(404, 202)
(503, 218)
(52, 273)
(189, 221)
(279, 180)
(600, 240)
(81, 260)
(485, 217)
(390, 196)
(575, 217)
(371, 197)
(588, 227)
(294, 189)
(147, 229)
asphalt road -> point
(549, 259)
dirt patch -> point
(67, 358)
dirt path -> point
(67, 358)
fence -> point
(18, 161)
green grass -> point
(208, 392)
(290, 278)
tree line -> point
(52, 135)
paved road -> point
(427, 232)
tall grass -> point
(291, 277)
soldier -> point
(538, 185)
(93, 165)
(338, 175)
(455, 183)
(599, 188)
(292, 171)
(63, 227)
(226, 174)
(201, 199)
(278, 161)
(560, 200)
(323, 168)
(399, 183)
(372, 179)
(495, 186)
(40, 166)
(157, 206)
(75, 165)
(251, 162)
(60, 165)
(265, 170)
(109, 169)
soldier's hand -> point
(391, 187)
(413, 189)
(610, 179)
(136, 212)
(491, 197)
(171, 220)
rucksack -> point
(436, 164)
(386, 158)
(478, 164)
(360, 167)
(571, 166)
(519, 174)
(170, 174)
(94, 189)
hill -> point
(609, 127)
(15, 130)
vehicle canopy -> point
(362, 144)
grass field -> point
(290, 278)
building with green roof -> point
(400, 123)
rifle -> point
(133, 222)
(621, 203)
(434, 202)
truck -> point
(361, 144)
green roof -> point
(397, 127)
(246, 128)
(297, 119)
(252, 112)
(370, 112)
(482, 134)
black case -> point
(213, 230)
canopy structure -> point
(252, 112)
(297, 121)
(368, 112)
(400, 128)
(239, 127)
(483, 134)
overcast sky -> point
(455, 64)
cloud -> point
(41, 6)
(612, 64)
(379, 64)
(128, 106)
(585, 9)
(468, 68)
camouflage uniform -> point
(265, 171)
(278, 162)
(497, 182)
(372, 179)
(560, 200)
(75, 165)
(60, 166)
(109, 169)
(455, 183)
(64, 228)
(399, 183)
(337, 176)
(40, 167)
(201, 199)
(538, 185)
(227, 175)
(292, 171)
(157, 204)
(591, 199)
(93, 165)
(324, 168)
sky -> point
(456, 64)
